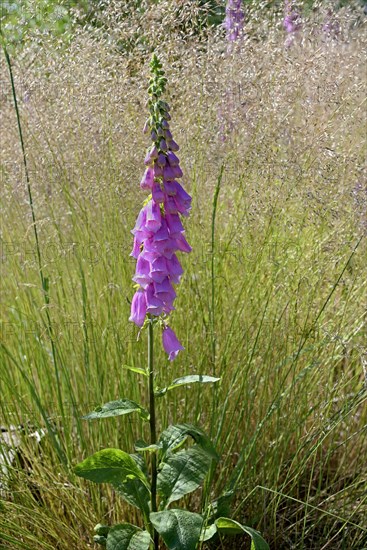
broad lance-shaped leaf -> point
(179, 529)
(122, 471)
(182, 473)
(116, 408)
(232, 527)
(174, 436)
(186, 380)
(125, 536)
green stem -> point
(212, 253)
(152, 424)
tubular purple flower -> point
(136, 248)
(153, 217)
(174, 225)
(182, 244)
(138, 308)
(157, 171)
(154, 304)
(174, 269)
(170, 187)
(177, 172)
(171, 344)
(147, 179)
(162, 160)
(173, 146)
(163, 145)
(158, 269)
(157, 193)
(142, 272)
(172, 159)
(168, 135)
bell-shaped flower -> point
(168, 173)
(153, 216)
(165, 291)
(136, 248)
(157, 171)
(172, 159)
(138, 308)
(174, 269)
(171, 344)
(177, 171)
(147, 179)
(163, 145)
(158, 269)
(174, 225)
(168, 135)
(182, 244)
(173, 146)
(161, 160)
(142, 272)
(154, 304)
(157, 193)
(170, 188)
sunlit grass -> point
(289, 282)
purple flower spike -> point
(138, 308)
(159, 232)
(171, 343)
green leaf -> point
(125, 536)
(190, 379)
(122, 471)
(179, 529)
(231, 527)
(138, 370)
(174, 436)
(182, 473)
(136, 493)
(116, 408)
(208, 532)
(110, 466)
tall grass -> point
(274, 295)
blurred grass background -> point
(287, 334)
